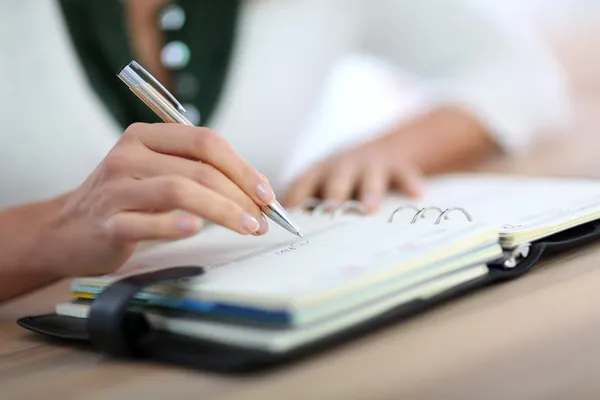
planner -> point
(225, 301)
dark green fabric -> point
(99, 35)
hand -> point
(153, 170)
(366, 173)
(447, 138)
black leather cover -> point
(115, 329)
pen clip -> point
(148, 78)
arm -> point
(489, 88)
(152, 171)
(445, 139)
(24, 262)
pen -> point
(166, 106)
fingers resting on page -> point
(366, 173)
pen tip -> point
(278, 214)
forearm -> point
(24, 262)
(442, 140)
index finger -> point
(205, 145)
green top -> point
(99, 34)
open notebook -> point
(278, 294)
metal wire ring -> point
(309, 204)
(449, 210)
(397, 211)
(349, 205)
(422, 212)
(325, 206)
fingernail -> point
(265, 178)
(371, 202)
(332, 204)
(415, 191)
(249, 223)
(265, 193)
(188, 224)
(264, 225)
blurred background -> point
(572, 30)
(64, 102)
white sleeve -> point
(472, 57)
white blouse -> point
(309, 77)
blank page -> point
(509, 202)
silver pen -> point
(166, 106)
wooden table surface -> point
(535, 337)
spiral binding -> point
(316, 206)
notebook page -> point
(327, 260)
(351, 251)
(510, 202)
(216, 245)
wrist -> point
(445, 139)
(28, 258)
(45, 241)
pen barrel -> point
(158, 104)
(153, 94)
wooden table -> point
(536, 337)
